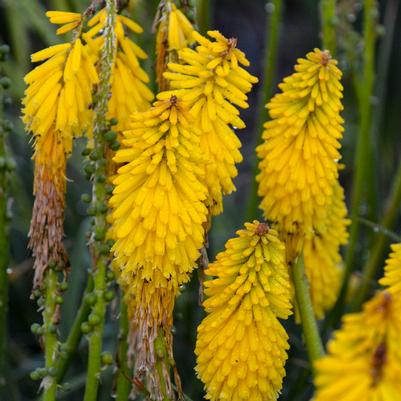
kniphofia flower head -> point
(300, 151)
(213, 82)
(241, 346)
(56, 107)
(367, 348)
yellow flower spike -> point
(392, 276)
(323, 263)
(241, 346)
(46, 232)
(158, 208)
(300, 151)
(129, 91)
(364, 359)
(214, 84)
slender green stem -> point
(273, 24)
(363, 147)
(123, 376)
(377, 228)
(4, 246)
(309, 325)
(50, 333)
(75, 335)
(380, 243)
(99, 198)
(328, 16)
(203, 14)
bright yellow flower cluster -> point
(59, 94)
(300, 151)
(159, 196)
(364, 360)
(323, 262)
(241, 345)
(214, 84)
(129, 92)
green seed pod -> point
(5, 82)
(85, 328)
(35, 375)
(35, 328)
(59, 299)
(63, 286)
(110, 136)
(89, 168)
(113, 121)
(91, 211)
(107, 358)
(85, 152)
(108, 189)
(100, 233)
(90, 298)
(86, 198)
(52, 371)
(115, 145)
(104, 249)
(93, 319)
(109, 296)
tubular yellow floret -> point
(68, 20)
(214, 84)
(300, 151)
(241, 346)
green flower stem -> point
(50, 333)
(124, 372)
(273, 24)
(309, 325)
(99, 198)
(203, 15)
(4, 249)
(75, 335)
(363, 147)
(380, 243)
(328, 13)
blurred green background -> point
(25, 28)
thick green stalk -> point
(4, 246)
(123, 376)
(273, 24)
(203, 15)
(71, 345)
(380, 243)
(328, 16)
(99, 201)
(363, 146)
(309, 325)
(50, 333)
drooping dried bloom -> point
(129, 92)
(241, 345)
(46, 231)
(56, 107)
(214, 84)
(173, 33)
(299, 155)
(364, 359)
(158, 216)
(323, 262)
(392, 277)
